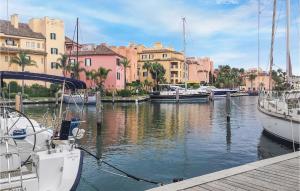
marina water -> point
(166, 141)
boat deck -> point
(278, 173)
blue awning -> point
(69, 82)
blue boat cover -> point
(70, 83)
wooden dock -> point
(280, 173)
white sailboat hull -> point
(79, 99)
(280, 127)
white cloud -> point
(227, 1)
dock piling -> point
(98, 109)
(228, 106)
(19, 102)
(177, 95)
(113, 97)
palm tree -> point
(91, 75)
(126, 64)
(63, 63)
(76, 69)
(101, 75)
(252, 77)
(147, 65)
(22, 60)
(157, 72)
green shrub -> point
(14, 87)
(124, 93)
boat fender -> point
(19, 133)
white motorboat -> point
(217, 91)
(37, 157)
(79, 99)
(280, 114)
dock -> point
(278, 173)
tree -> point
(75, 69)
(100, 76)
(92, 76)
(126, 64)
(63, 63)
(23, 60)
(147, 66)
(252, 77)
(157, 72)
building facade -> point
(171, 60)
(41, 39)
(92, 57)
(200, 69)
(260, 81)
(53, 31)
(16, 37)
(130, 52)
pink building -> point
(200, 69)
(130, 52)
(92, 57)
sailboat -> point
(37, 157)
(280, 111)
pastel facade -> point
(130, 52)
(34, 40)
(53, 31)
(92, 57)
(200, 69)
(16, 37)
(172, 61)
(261, 80)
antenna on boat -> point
(258, 36)
(272, 45)
(288, 55)
(184, 52)
(77, 26)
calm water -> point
(166, 141)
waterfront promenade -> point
(278, 173)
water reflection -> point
(165, 141)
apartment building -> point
(172, 61)
(200, 69)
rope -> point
(123, 172)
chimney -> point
(14, 20)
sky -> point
(224, 30)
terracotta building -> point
(130, 52)
(92, 57)
(200, 69)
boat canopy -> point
(70, 83)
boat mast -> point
(184, 52)
(288, 55)
(258, 37)
(77, 40)
(272, 45)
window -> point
(6, 58)
(72, 62)
(88, 62)
(145, 74)
(118, 76)
(54, 51)
(164, 55)
(27, 44)
(32, 45)
(53, 36)
(118, 62)
(38, 45)
(54, 65)
(144, 56)
(151, 56)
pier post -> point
(113, 96)
(56, 99)
(177, 95)
(19, 102)
(98, 109)
(228, 106)
(212, 96)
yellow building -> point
(16, 37)
(54, 32)
(42, 40)
(172, 61)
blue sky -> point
(225, 30)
